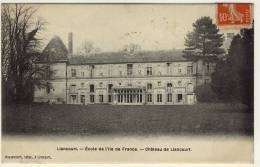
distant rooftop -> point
(57, 51)
(122, 57)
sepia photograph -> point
(127, 83)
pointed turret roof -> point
(55, 51)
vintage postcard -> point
(127, 83)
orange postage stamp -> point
(234, 14)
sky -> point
(109, 27)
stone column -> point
(143, 97)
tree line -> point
(233, 78)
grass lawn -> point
(127, 120)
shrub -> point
(206, 94)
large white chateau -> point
(151, 78)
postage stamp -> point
(234, 14)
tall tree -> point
(234, 76)
(87, 48)
(204, 41)
(131, 48)
(20, 48)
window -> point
(120, 73)
(92, 98)
(169, 86)
(206, 81)
(179, 97)
(92, 70)
(82, 85)
(179, 83)
(149, 71)
(149, 97)
(72, 88)
(207, 67)
(110, 88)
(159, 97)
(140, 96)
(48, 72)
(190, 87)
(73, 73)
(109, 98)
(179, 70)
(159, 83)
(212, 68)
(101, 99)
(168, 68)
(73, 99)
(129, 69)
(91, 88)
(189, 70)
(82, 74)
(101, 74)
(48, 88)
(82, 99)
(149, 86)
(101, 84)
(169, 97)
(120, 98)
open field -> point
(127, 120)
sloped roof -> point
(122, 57)
(54, 51)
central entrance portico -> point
(129, 95)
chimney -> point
(70, 43)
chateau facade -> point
(151, 78)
